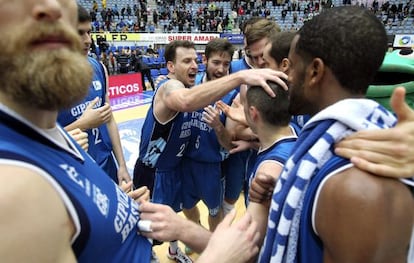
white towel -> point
(313, 148)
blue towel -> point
(313, 148)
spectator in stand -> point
(123, 10)
(92, 13)
(151, 51)
(151, 27)
(120, 26)
(95, 6)
(115, 10)
(284, 13)
(155, 17)
(128, 10)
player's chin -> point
(191, 82)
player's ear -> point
(170, 67)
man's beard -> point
(40, 78)
(297, 100)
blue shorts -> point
(167, 188)
(202, 181)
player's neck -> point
(43, 119)
(268, 136)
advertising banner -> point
(233, 38)
(404, 41)
(124, 85)
(157, 38)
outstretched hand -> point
(387, 152)
(234, 112)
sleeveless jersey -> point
(204, 145)
(310, 245)
(238, 65)
(280, 151)
(300, 120)
(100, 146)
(163, 144)
(105, 218)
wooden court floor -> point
(129, 118)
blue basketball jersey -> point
(100, 145)
(105, 218)
(279, 152)
(238, 65)
(204, 145)
(163, 144)
(310, 245)
(300, 120)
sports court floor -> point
(129, 113)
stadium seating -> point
(163, 71)
(201, 67)
(405, 26)
(155, 73)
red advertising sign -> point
(124, 85)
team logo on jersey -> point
(97, 85)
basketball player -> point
(256, 34)
(317, 196)
(204, 154)
(94, 115)
(167, 127)
(45, 176)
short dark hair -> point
(350, 40)
(221, 45)
(281, 45)
(274, 110)
(83, 15)
(170, 49)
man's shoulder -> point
(353, 184)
